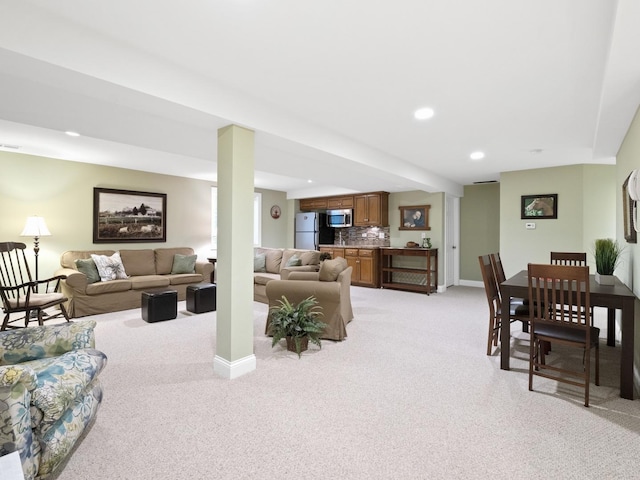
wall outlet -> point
(530, 226)
(364, 235)
(381, 235)
(423, 235)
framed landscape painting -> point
(539, 206)
(126, 216)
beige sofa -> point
(276, 267)
(145, 268)
(331, 287)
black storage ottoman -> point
(201, 298)
(159, 304)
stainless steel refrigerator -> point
(312, 231)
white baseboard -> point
(471, 283)
(235, 369)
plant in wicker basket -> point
(299, 324)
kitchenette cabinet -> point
(313, 204)
(340, 202)
(371, 210)
(365, 266)
(335, 252)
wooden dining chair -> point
(498, 272)
(517, 311)
(567, 321)
(578, 259)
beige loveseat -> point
(277, 265)
(331, 287)
(145, 268)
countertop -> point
(352, 246)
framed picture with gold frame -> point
(414, 217)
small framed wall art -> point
(539, 206)
(414, 217)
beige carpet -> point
(409, 395)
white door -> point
(451, 241)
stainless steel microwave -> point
(339, 218)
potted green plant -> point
(298, 324)
(607, 254)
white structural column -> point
(234, 333)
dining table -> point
(614, 297)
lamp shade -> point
(35, 227)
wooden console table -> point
(427, 276)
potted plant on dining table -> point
(607, 254)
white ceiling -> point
(329, 87)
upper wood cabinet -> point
(371, 210)
(310, 204)
(340, 202)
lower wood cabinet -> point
(365, 266)
(333, 251)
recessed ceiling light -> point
(424, 113)
(309, 181)
(477, 156)
(72, 134)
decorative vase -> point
(604, 279)
(291, 344)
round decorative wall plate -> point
(275, 211)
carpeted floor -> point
(410, 394)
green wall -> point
(62, 192)
(628, 159)
(586, 211)
(479, 227)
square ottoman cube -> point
(201, 298)
(159, 304)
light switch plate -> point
(381, 235)
(530, 226)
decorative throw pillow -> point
(109, 268)
(259, 263)
(184, 263)
(330, 269)
(294, 262)
(88, 267)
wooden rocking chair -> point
(20, 293)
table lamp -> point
(35, 227)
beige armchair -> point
(331, 286)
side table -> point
(213, 273)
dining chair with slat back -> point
(498, 272)
(19, 292)
(517, 311)
(577, 259)
(568, 321)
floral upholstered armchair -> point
(49, 392)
